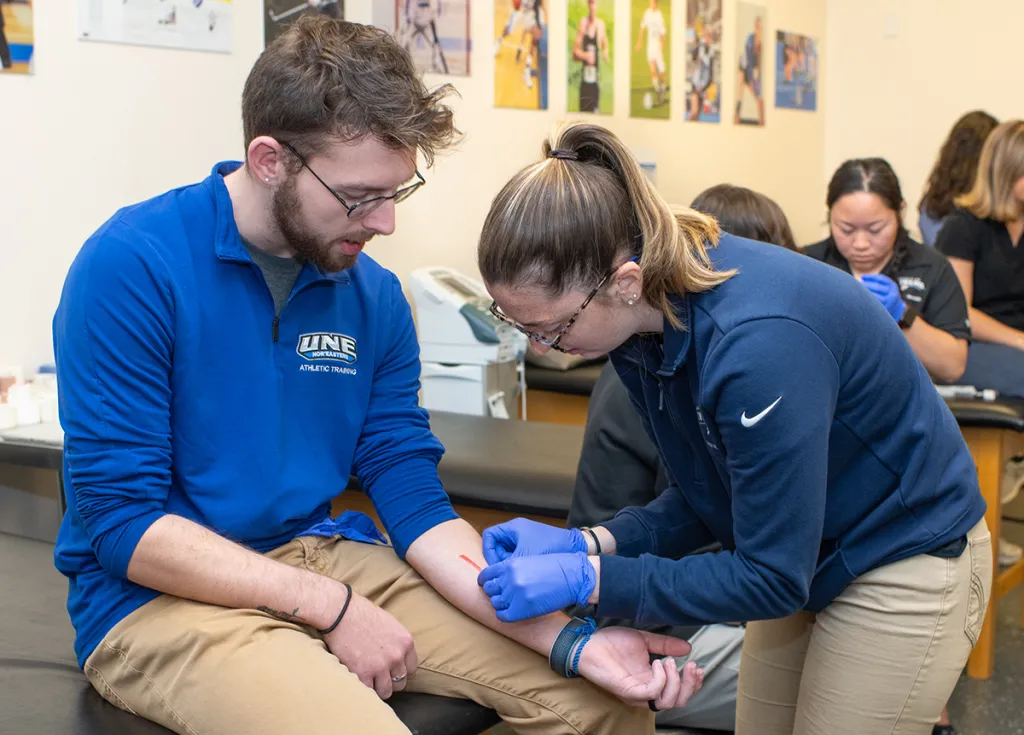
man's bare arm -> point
(181, 558)
(437, 556)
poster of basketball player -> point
(750, 30)
(16, 37)
(435, 32)
(279, 14)
(796, 71)
(704, 61)
(650, 61)
(197, 25)
(521, 54)
(591, 64)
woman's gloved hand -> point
(887, 292)
(522, 537)
(531, 586)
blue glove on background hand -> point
(531, 586)
(522, 537)
(887, 292)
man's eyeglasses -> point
(367, 206)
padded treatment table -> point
(990, 429)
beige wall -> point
(100, 126)
(900, 72)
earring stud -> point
(267, 179)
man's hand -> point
(531, 586)
(522, 537)
(618, 660)
(374, 646)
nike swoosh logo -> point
(748, 421)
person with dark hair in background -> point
(982, 241)
(619, 467)
(954, 171)
(210, 588)
(915, 284)
(746, 213)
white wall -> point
(901, 72)
(100, 126)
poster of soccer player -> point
(750, 30)
(704, 61)
(649, 81)
(521, 54)
(434, 32)
(16, 37)
(279, 14)
(591, 64)
(796, 71)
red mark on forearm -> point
(470, 562)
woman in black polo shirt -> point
(982, 242)
(915, 284)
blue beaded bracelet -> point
(570, 641)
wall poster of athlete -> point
(521, 54)
(591, 68)
(434, 32)
(650, 60)
(750, 34)
(279, 14)
(16, 37)
(704, 61)
(796, 71)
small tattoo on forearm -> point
(291, 617)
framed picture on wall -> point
(434, 32)
(17, 37)
(750, 29)
(796, 71)
(195, 25)
(704, 61)
(650, 60)
(521, 54)
(279, 14)
(591, 68)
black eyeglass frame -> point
(369, 205)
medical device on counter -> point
(472, 362)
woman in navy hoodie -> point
(799, 431)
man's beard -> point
(286, 210)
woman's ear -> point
(627, 284)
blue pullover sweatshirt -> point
(182, 393)
(799, 430)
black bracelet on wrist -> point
(597, 542)
(344, 609)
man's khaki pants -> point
(207, 670)
(881, 659)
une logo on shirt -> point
(327, 346)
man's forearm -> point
(436, 555)
(181, 558)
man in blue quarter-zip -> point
(226, 360)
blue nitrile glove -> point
(531, 586)
(522, 537)
(888, 292)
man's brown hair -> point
(325, 80)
